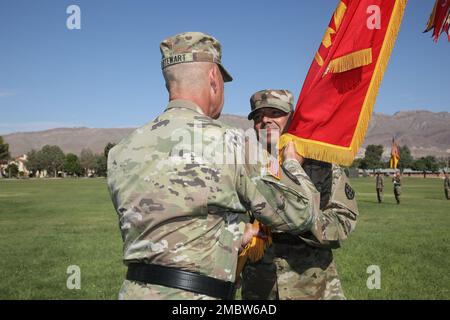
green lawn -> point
(48, 225)
(410, 242)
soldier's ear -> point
(213, 81)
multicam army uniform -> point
(397, 188)
(303, 268)
(306, 269)
(379, 186)
(447, 187)
(178, 208)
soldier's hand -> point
(251, 230)
(289, 153)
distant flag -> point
(340, 89)
(395, 155)
(439, 19)
(447, 26)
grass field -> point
(48, 225)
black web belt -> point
(180, 279)
(285, 238)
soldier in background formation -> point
(447, 186)
(379, 186)
(397, 186)
(299, 267)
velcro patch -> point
(273, 166)
(349, 192)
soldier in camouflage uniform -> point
(183, 210)
(397, 186)
(302, 267)
(447, 186)
(379, 187)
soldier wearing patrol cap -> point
(299, 267)
(271, 111)
(181, 212)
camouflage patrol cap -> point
(279, 99)
(192, 47)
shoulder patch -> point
(349, 192)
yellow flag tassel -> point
(351, 61)
(254, 250)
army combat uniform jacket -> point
(179, 207)
(306, 269)
(447, 188)
(379, 187)
(397, 185)
(380, 182)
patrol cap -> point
(270, 98)
(192, 47)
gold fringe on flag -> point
(393, 163)
(319, 150)
(351, 61)
(254, 250)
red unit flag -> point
(339, 92)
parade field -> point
(47, 225)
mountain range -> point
(424, 132)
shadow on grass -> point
(376, 203)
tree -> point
(87, 160)
(4, 151)
(419, 164)
(12, 170)
(431, 163)
(356, 163)
(100, 165)
(372, 157)
(443, 162)
(34, 161)
(406, 159)
(101, 160)
(108, 147)
(428, 163)
(72, 165)
(52, 158)
(363, 164)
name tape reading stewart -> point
(188, 57)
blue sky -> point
(108, 73)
